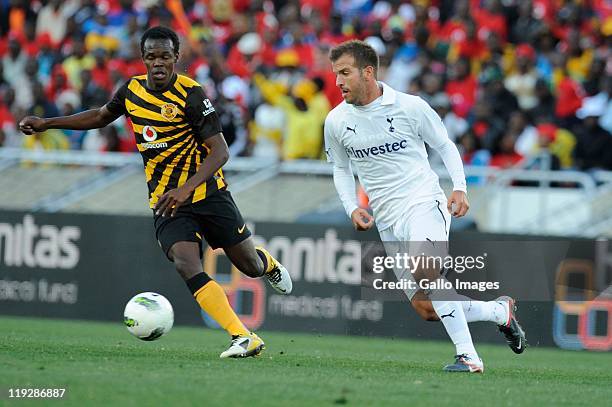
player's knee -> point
(425, 310)
(251, 267)
(187, 266)
(186, 258)
(431, 316)
(427, 273)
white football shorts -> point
(423, 230)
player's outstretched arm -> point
(89, 119)
(218, 154)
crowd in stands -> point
(511, 79)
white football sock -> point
(484, 310)
(452, 316)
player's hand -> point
(458, 204)
(168, 203)
(32, 124)
(362, 220)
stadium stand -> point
(30, 186)
(521, 85)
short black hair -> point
(160, 33)
(363, 53)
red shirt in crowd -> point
(331, 91)
(569, 98)
(452, 31)
(462, 93)
(472, 48)
(6, 117)
(505, 160)
(488, 22)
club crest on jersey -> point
(169, 111)
(149, 133)
(390, 121)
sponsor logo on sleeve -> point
(209, 108)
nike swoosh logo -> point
(520, 345)
(132, 110)
(240, 230)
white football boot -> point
(465, 364)
(244, 346)
(279, 278)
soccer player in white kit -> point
(382, 134)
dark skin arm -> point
(89, 119)
(168, 203)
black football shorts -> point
(215, 218)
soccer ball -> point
(148, 316)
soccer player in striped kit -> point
(183, 149)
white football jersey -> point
(385, 142)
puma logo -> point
(240, 230)
(448, 315)
(390, 121)
(353, 129)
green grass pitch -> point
(102, 364)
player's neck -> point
(372, 93)
(158, 87)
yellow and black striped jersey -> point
(170, 126)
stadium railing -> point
(525, 200)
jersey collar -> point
(387, 98)
(389, 94)
(164, 89)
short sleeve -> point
(117, 104)
(334, 151)
(201, 114)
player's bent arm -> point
(344, 181)
(457, 204)
(434, 133)
(452, 161)
(217, 156)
